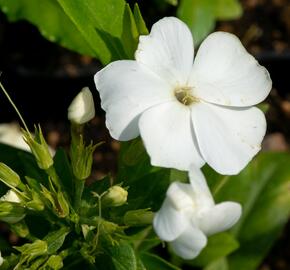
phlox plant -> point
(191, 188)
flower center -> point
(184, 95)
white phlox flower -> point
(82, 108)
(188, 215)
(11, 135)
(10, 196)
(187, 112)
(1, 259)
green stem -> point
(54, 177)
(79, 188)
(14, 106)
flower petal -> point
(181, 196)
(228, 138)
(190, 243)
(126, 90)
(225, 73)
(167, 50)
(166, 132)
(169, 223)
(220, 218)
(202, 194)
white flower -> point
(1, 259)
(188, 215)
(82, 108)
(10, 196)
(187, 112)
(11, 135)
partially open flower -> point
(82, 108)
(188, 215)
(187, 112)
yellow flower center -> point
(184, 95)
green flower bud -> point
(62, 205)
(39, 148)
(8, 176)
(36, 203)
(115, 196)
(54, 262)
(20, 228)
(11, 212)
(140, 217)
(82, 158)
(37, 248)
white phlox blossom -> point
(187, 111)
(10, 196)
(11, 135)
(1, 259)
(188, 215)
(82, 108)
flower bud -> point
(82, 108)
(55, 262)
(10, 196)
(20, 228)
(39, 148)
(11, 212)
(82, 158)
(8, 176)
(115, 196)
(140, 217)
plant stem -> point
(14, 106)
(79, 188)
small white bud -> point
(116, 196)
(82, 108)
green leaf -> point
(220, 264)
(228, 9)
(48, 16)
(104, 29)
(219, 245)
(154, 262)
(123, 256)
(64, 171)
(140, 23)
(263, 190)
(56, 239)
(201, 15)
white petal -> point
(202, 194)
(190, 243)
(228, 138)
(1, 259)
(180, 195)
(11, 134)
(82, 108)
(220, 218)
(126, 90)
(10, 196)
(166, 132)
(169, 223)
(167, 50)
(225, 73)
